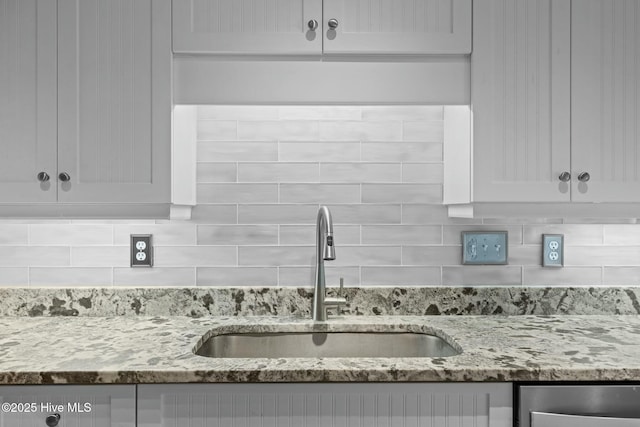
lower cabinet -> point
(326, 405)
(68, 406)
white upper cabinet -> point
(114, 100)
(555, 99)
(605, 100)
(397, 26)
(28, 123)
(85, 99)
(298, 27)
(521, 100)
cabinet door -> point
(605, 92)
(398, 26)
(96, 406)
(114, 100)
(247, 26)
(27, 100)
(521, 100)
(327, 405)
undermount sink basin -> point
(325, 344)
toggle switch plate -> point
(484, 247)
(553, 250)
(141, 250)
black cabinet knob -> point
(52, 420)
(64, 177)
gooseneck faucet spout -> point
(325, 251)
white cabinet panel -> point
(27, 99)
(282, 26)
(114, 100)
(398, 26)
(247, 26)
(77, 406)
(327, 405)
(521, 100)
(605, 93)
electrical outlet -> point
(484, 247)
(141, 250)
(553, 250)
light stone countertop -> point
(91, 350)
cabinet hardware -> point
(313, 25)
(565, 177)
(52, 420)
(333, 23)
(584, 177)
(64, 177)
(43, 177)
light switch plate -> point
(484, 247)
(141, 250)
(553, 250)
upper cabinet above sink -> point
(314, 27)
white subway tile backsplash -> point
(360, 172)
(305, 276)
(278, 172)
(14, 234)
(41, 256)
(566, 276)
(262, 173)
(237, 235)
(276, 255)
(431, 131)
(100, 256)
(237, 112)
(401, 193)
(400, 276)
(195, 256)
(277, 214)
(402, 234)
(365, 214)
(319, 151)
(360, 131)
(319, 112)
(403, 112)
(481, 275)
(156, 276)
(237, 151)
(284, 130)
(402, 152)
(306, 234)
(216, 172)
(320, 193)
(237, 193)
(427, 173)
(70, 235)
(14, 276)
(70, 276)
(237, 276)
(217, 130)
(174, 234)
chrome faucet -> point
(325, 251)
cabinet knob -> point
(584, 177)
(52, 420)
(64, 177)
(43, 177)
(312, 24)
(333, 23)
(565, 177)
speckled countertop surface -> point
(159, 349)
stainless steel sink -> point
(326, 344)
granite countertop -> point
(88, 350)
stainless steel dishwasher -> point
(588, 405)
